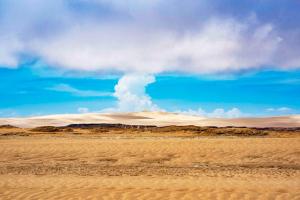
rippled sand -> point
(87, 167)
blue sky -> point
(27, 92)
(212, 58)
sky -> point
(222, 58)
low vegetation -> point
(116, 129)
(7, 126)
(47, 129)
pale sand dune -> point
(83, 167)
(150, 118)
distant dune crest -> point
(149, 118)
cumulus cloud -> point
(217, 113)
(76, 92)
(131, 95)
(146, 36)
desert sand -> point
(150, 118)
(124, 164)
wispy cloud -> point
(83, 110)
(77, 92)
(281, 109)
(8, 113)
(217, 113)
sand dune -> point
(160, 163)
(150, 118)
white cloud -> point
(136, 37)
(281, 109)
(284, 109)
(270, 109)
(217, 113)
(74, 91)
(218, 46)
(131, 95)
(83, 110)
(8, 49)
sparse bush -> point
(47, 129)
(238, 132)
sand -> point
(150, 118)
(131, 167)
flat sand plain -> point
(132, 166)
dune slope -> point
(149, 118)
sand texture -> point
(127, 166)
